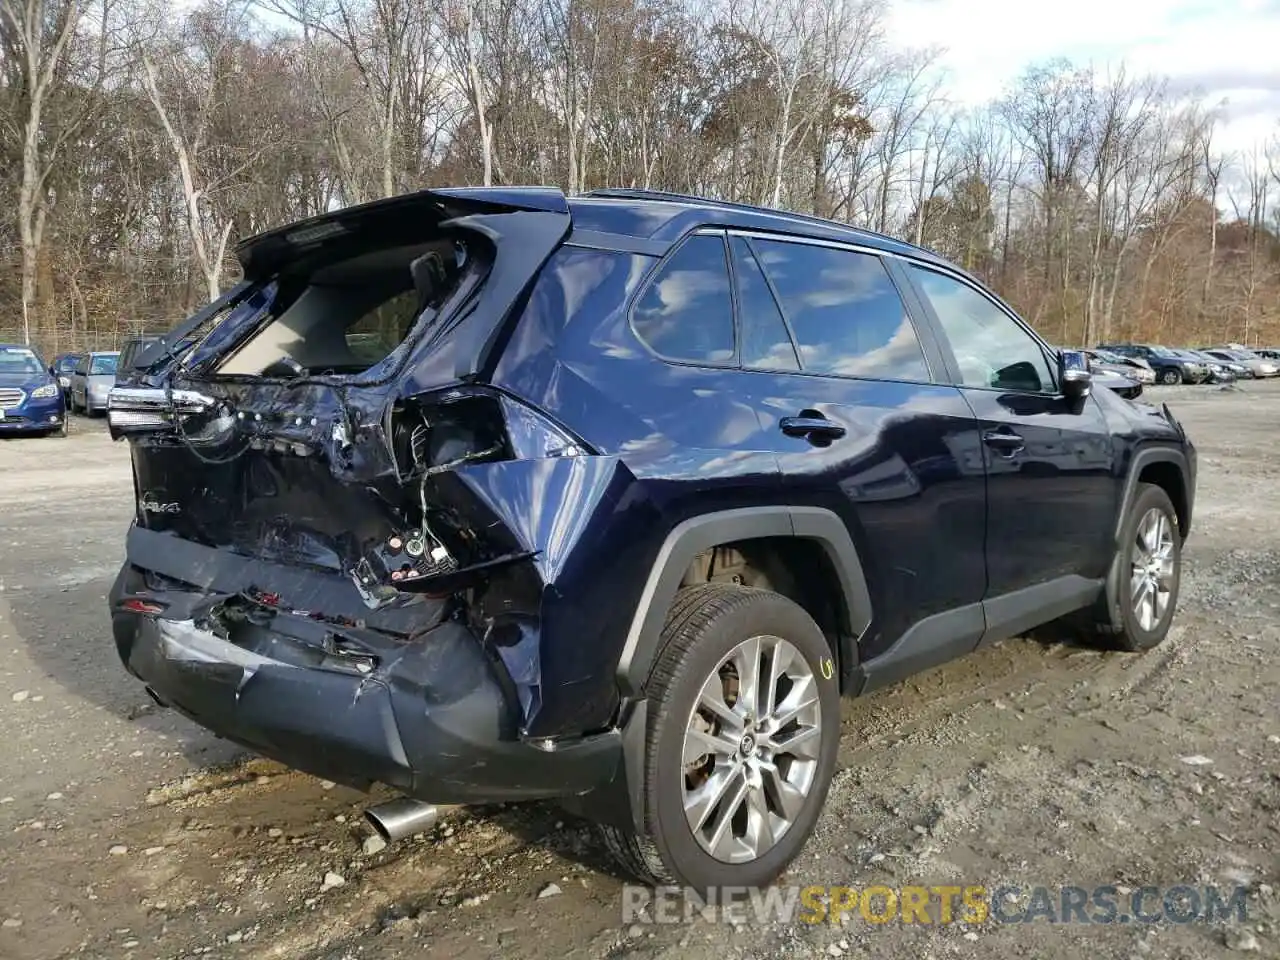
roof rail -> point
(635, 193)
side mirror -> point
(1074, 375)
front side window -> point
(844, 311)
(686, 313)
(991, 349)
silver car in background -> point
(1257, 366)
(92, 380)
(1135, 368)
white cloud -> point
(1226, 48)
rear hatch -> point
(297, 419)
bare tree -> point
(466, 34)
(39, 40)
(198, 62)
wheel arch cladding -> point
(1169, 476)
(698, 534)
(1166, 468)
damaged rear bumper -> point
(428, 716)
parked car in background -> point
(1168, 366)
(130, 350)
(1118, 383)
(1133, 368)
(634, 488)
(1257, 366)
(1237, 369)
(1130, 367)
(30, 396)
(1218, 371)
(92, 380)
(64, 364)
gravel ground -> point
(126, 831)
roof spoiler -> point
(263, 254)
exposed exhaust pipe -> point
(402, 817)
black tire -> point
(1118, 627)
(705, 624)
(1170, 375)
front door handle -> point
(813, 429)
(1006, 441)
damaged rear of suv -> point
(491, 495)
(322, 473)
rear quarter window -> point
(685, 312)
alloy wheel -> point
(1152, 568)
(751, 749)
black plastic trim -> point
(951, 634)
(931, 642)
(617, 242)
(1144, 458)
(1017, 612)
(696, 534)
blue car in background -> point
(62, 367)
(30, 395)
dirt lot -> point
(126, 831)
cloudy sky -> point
(1230, 49)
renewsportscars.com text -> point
(940, 904)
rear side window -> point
(766, 345)
(844, 310)
(686, 312)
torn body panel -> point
(427, 716)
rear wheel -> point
(1145, 583)
(743, 727)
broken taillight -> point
(433, 435)
(138, 605)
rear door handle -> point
(1006, 441)
(812, 428)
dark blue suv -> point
(490, 494)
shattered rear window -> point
(348, 316)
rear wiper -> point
(286, 368)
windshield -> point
(102, 365)
(1163, 352)
(67, 364)
(1106, 356)
(19, 360)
